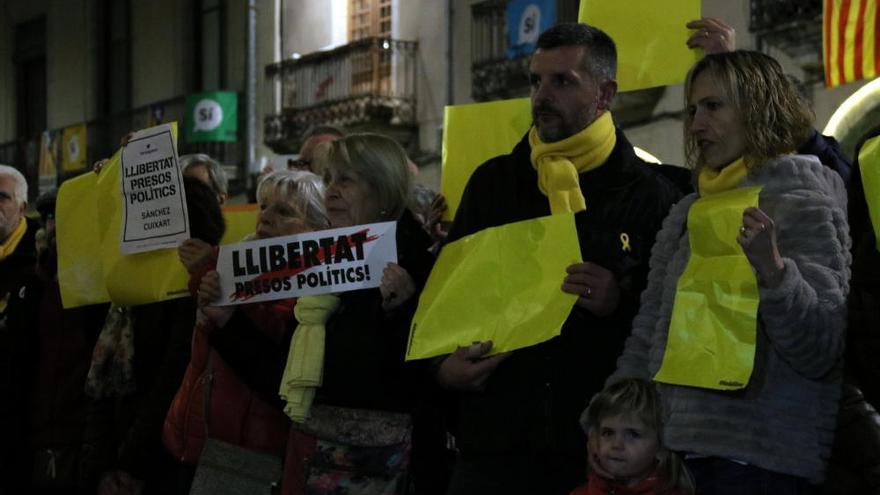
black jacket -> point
(19, 265)
(533, 400)
(44, 406)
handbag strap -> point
(207, 383)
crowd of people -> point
(108, 399)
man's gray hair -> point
(219, 182)
(21, 187)
(601, 57)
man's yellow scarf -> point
(15, 237)
(713, 181)
(558, 164)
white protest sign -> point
(152, 191)
(335, 260)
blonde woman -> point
(744, 118)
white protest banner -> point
(335, 260)
(152, 191)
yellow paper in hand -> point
(80, 272)
(869, 167)
(650, 36)
(241, 220)
(500, 284)
(474, 133)
(711, 342)
(138, 278)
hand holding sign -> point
(397, 287)
(596, 288)
(194, 253)
(712, 35)
(209, 293)
(466, 369)
(758, 239)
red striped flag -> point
(850, 39)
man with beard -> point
(517, 426)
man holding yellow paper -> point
(518, 419)
(752, 409)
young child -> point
(625, 429)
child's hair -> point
(638, 397)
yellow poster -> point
(869, 166)
(159, 274)
(650, 36)
(80, 272)
(711, 342)
(91, 268)
(48, 156)
(74, 147)
(501, 284)
(474, 133)
(241, 221)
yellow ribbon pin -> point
(624, 241)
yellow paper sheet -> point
(241, 220)
(500, 284)
(91, 269)
(474, 133)
(80, 273)
(711, 341)
(650, 36)
(869, 167)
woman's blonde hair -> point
(775, 118)
(301, 189)
(639, 398)
(377, 159)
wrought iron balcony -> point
(369, 82)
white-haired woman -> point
(291, 202)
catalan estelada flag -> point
(851, 41)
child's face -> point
(627, 447)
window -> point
(211, 44)
(371, 69)
(369, 18)
(117, 68)
(30, 77)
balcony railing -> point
(372, 80)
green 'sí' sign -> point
(211, 117)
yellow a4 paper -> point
(711, 342)
(869, 167)
(650, 36)
(472, 134)
(91, 268)
(501, 284)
